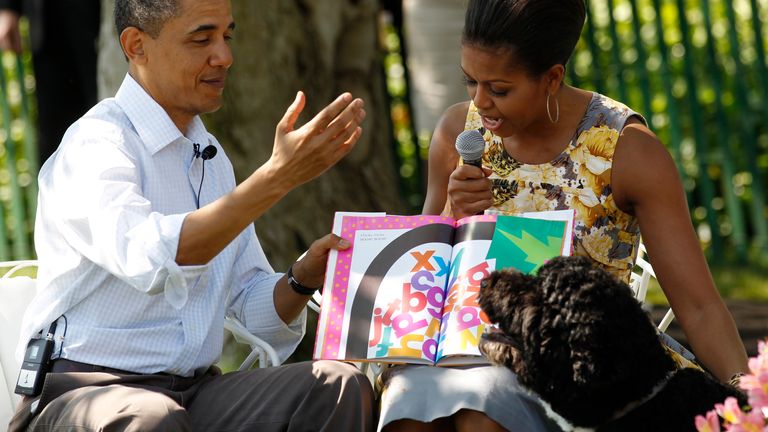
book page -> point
(384, 295)
(333, 256)
(463, 320)
(481, 246)
(569, 216)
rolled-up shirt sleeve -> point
(252, 302)
(111, 223)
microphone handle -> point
(476, 162)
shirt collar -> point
(152, 123)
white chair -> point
(17, 291)
(639, 280)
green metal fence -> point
(697, 70)
(18, 159)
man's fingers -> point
(344, 143)
(324, 118)
(352, 116)
(320, 247)
(291, 115)
(337, 242)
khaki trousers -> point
(308, 396)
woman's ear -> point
(554, 78)
(132, 43)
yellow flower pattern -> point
(579, 178)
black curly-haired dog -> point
(576, 336)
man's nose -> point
(222, 55)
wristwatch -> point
(297, 286)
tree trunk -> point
(432, 32)
(323, 47)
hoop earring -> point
(557, 110)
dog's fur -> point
(576, 336)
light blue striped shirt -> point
(111, 205)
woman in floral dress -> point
(552, 146)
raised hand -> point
(301, 154)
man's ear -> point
(132, 42)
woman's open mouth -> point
(492, 123)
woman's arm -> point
(443, 157)
(466, 187)
(646, 184)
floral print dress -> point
(579, 178)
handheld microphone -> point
(470, 145)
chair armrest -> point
(266, 354)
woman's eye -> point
(496, 92)
(468, 82)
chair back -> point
(16, 292)
(639, 280)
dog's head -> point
(573, 334)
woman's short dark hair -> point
(538, 33)
(146, 15)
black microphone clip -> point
(208, 153)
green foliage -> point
(696, 70)
(18, 157)
(734, 282)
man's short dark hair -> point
(146, 15)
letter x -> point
(422, 261)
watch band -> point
(297, 286)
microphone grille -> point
(470, 145)
(209, 152)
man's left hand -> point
(310, 270)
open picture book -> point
(406, 291)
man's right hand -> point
(469, 190)
(10, 37)
(300, 155)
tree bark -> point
(323, 47)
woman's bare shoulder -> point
(451, 123)
(642, 167)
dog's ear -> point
(502, 293)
